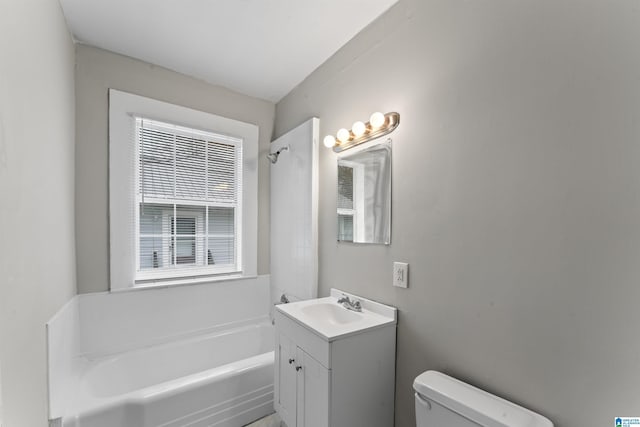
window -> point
(189, 196)
(182, 194)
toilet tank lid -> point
(479, 406)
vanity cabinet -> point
(346, 380)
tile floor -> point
(268, 421)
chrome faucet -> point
(350, 305)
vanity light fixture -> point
(378, 125)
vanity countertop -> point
(331, 321)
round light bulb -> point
(343, 135)
(358, 129)
(329, 141)
(377, 120)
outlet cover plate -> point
(401, 274)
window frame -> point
(124, 205)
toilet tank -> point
(445, 401)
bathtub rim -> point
(86, 404)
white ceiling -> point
(262, 48)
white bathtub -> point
(222, 379)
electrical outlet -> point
(401, 274)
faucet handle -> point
(344, 299)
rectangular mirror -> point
(364, 195)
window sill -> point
(171, 283)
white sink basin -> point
(331, 312)
(330, 320)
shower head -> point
(273, 157)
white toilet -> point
(445, 401)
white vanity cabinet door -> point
(313, 392)
(301, 386)
(286, 380)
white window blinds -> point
(189, 185)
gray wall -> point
(516, 195)
(37, 258)
(97, 71)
